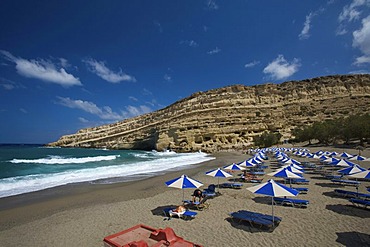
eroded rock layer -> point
(229, 117)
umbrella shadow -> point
(329, 185)
(349, 210)
(353, 238)
(159, 211)
(331, 194)
(246, 226)
(319, 178)
(262, 200)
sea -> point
(28, 168)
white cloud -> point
(104, 112)
(360, 72)
(101, 70)
(341, 30)
(361, 40)
(43, 70)
(23, 110)
(167, 78)
(133, 98)
(132, 111)
(158, 26)
(350, 12)
(146, 92)
(9, 85)
(251, 64)
(305, 33)
(211, 4)
(214, 51)
(83, 120)
(306, 27)
(190, 43)
(281, 69)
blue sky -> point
(67, 65)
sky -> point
(68, 65)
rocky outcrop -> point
(229, 117)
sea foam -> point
(29, 183)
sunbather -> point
(179, 209)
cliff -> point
(229, 117)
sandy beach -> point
(82, 215)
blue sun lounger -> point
(330, 176)
(346, 182)
(299, 203)
(360, 203)
(187, 215)
(297, 180)
(231, 185)
(210, 192)
(257, 220)
(277, 219)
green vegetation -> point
(267, 139)
(355, 127)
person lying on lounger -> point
(180, 209)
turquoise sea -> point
(27, 168)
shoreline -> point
(26, 207)
(84, 215)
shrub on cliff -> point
(267, 139)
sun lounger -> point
(210, 192)
(346, 182)
(360, 203)
(277, 219)
(231, 185)
(186, 215)
(142, 235)
(257, 172)
(299, 203)
(301, 190)
(202, 205)
(351, 194)
(255, 219)
(331, 176)
(308, 165)
(297, 180)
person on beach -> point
(180, 209)
(197, 194)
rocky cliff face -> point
(229, 117)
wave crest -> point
(61, 160)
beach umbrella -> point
(293, 169)
(272, 189)
(357, 157)
(246, 163)
(234, 167)
(219, 173)
(342, 163)
(345, 155)
(183, 182)
(352, 170)
(329, 160)
(285, 173)
(365, 174)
